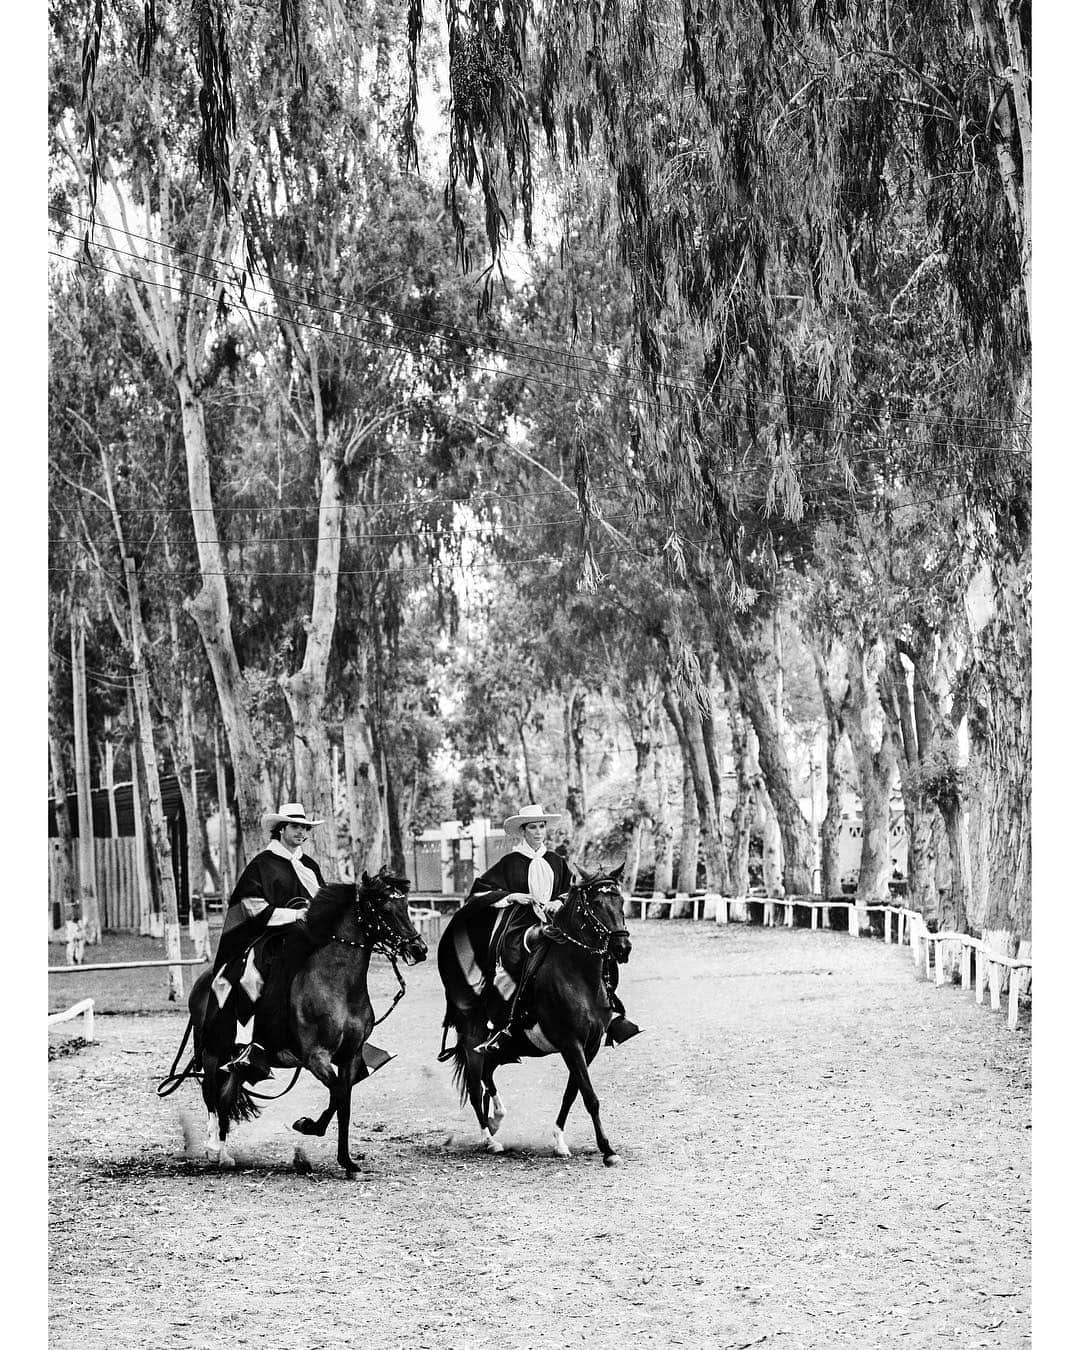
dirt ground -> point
(820, 1150)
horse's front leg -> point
(578, 1066)
(339, 1081)
(305, 1125)
(348, 1073)
(562, 1149)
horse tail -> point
(235, 1103)
(460, 1078)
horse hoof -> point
(226, 1161)
(302, 1163)
(612, 1160)
(563, 1153)
(305, 1125)
(350, 1170)
(492, 1146)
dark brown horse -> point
(568, 1007)
(314, 1011)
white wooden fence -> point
(992, 969)
(84, 1009)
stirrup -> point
(493, 1040)
(253, 1058)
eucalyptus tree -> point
(172, 248)
(372, 346)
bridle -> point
(375, 930)
(377, 934)
(578, 906)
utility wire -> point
(497, 565)
(555, 355)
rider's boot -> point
(620, 1029)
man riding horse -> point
(527, 885)
(271, 894)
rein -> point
(382, 939)
(598, 927)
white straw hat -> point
(528, 814)
(291, 813)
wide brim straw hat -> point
(528, 815)
(290, 813)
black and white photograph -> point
(539, 675)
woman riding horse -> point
(571, 1009)
(525, 885)
(529, 885)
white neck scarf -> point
(307, 877)
(541, 876)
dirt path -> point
(820, 1151)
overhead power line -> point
(555, 356)
(497, 565)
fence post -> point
(939, 962)
(1014, 1000)
(980, 974)
(965, 965)
(852, 921)
(994, 976)
(722, 909)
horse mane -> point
(388, 878)
(327, 906)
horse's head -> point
(594, 906)
(383, 902)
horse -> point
(568, 1008)
(319, 1018)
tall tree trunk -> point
(526, 767)
(772, 757)
(66, 900)
(305, 690)
(690, 837)
(695, 758)
(396, 837)
(870, 731)
(210, 610)
(88, 896)
(159, 830)
(638, 816)
(772, 846)
(829, 666)
(149, 910)
(224, 818)
(663, 831)
(109, 781)
(574, 754)
(742, 814)
(916, 744)
(999, 721)
(379, 851)
(187, 778)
